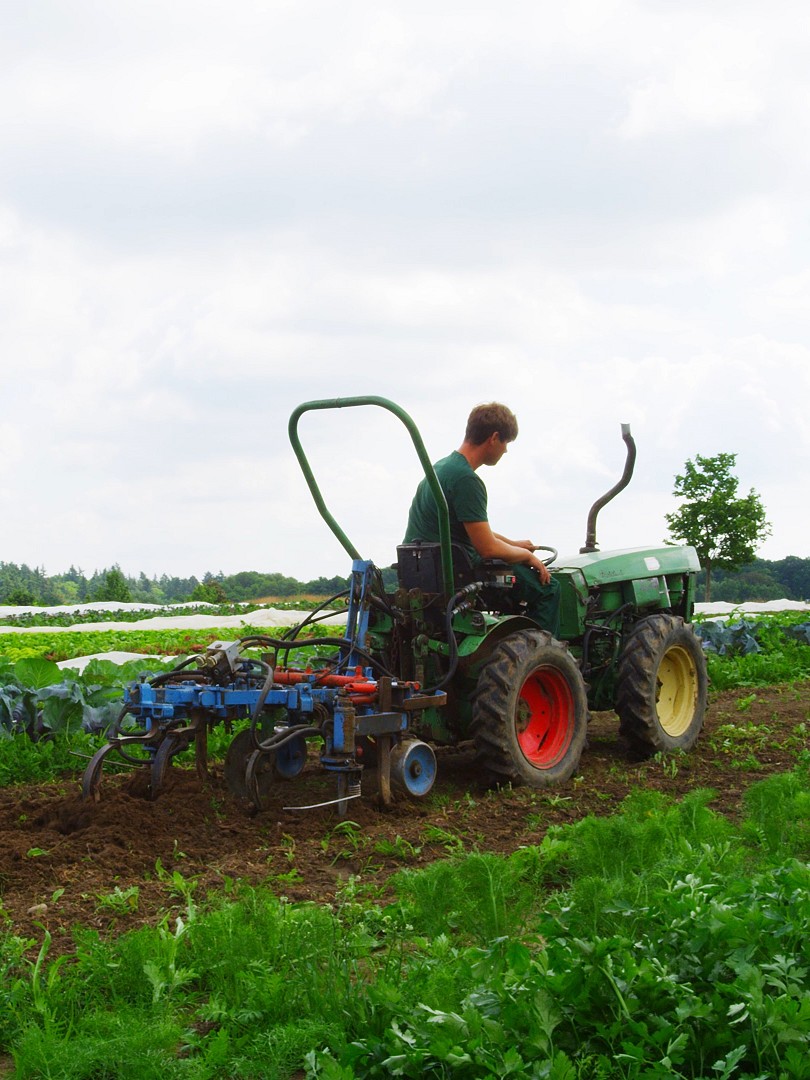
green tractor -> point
(491, 675)
(443, 654)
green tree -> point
(723, 527)
(794, 573)
(210, 592)
(113, 587)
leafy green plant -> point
(744, 652)
(451, 842)
(659, 941)
(398, 848)
(120, 901)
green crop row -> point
(38, 697)
(685, 956)
(67, 645)
(135, 614)
(770, 649)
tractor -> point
(441, 655)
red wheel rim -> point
(544, 723)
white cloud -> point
(210, 213)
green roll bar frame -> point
(416, 438)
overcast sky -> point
(210, 212)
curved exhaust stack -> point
(630, 460)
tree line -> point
(723, 526)
(22, 586)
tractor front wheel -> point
(662, 685)
(530, 711)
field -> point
(53, 842)
(459, 935)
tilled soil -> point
(125, 861)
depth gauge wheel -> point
(662, 685)
(530, 711)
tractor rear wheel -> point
(530, 711)
(662, 685)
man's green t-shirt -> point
(466, 500)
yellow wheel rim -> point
(677, 695)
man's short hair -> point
(485, 420)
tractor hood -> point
(606, 567)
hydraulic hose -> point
(293, 631)
(286, 646)
(453, 608)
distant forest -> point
(20, 586)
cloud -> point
(593, 211)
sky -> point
(210, 213)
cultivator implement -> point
(345, 701)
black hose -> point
(281, 738)
(287, 646)
(293, 631)
(451, 637)
(164, 676)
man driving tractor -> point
(490, 429)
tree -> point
(210, 592)
(794, 573)
(723, 527)
(113, 587)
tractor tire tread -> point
(493, 699)
(636, 685)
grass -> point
(659, 941)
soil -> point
(110, 865)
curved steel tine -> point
(91, 779)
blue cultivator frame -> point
(348, 700)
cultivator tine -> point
(348, 785)
(169, 746)
(200, 724)
(384, 769)
(237, 757)
(259, 777)
(92, 774)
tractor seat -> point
(419, 566)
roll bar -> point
(416, 438)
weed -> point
(120, 901)
(739, 743)
(177, 885)
(749, 763)
(438, 800)
(353, 836)
(293, 876)
(164, 973)
(287, 845)
(398, 848)
(452, 844)
(668, 760)
(556, 800)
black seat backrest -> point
(419, 565)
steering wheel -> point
(551, 557)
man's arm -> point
(491, 546)
(516, 543)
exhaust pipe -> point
(630, 461)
